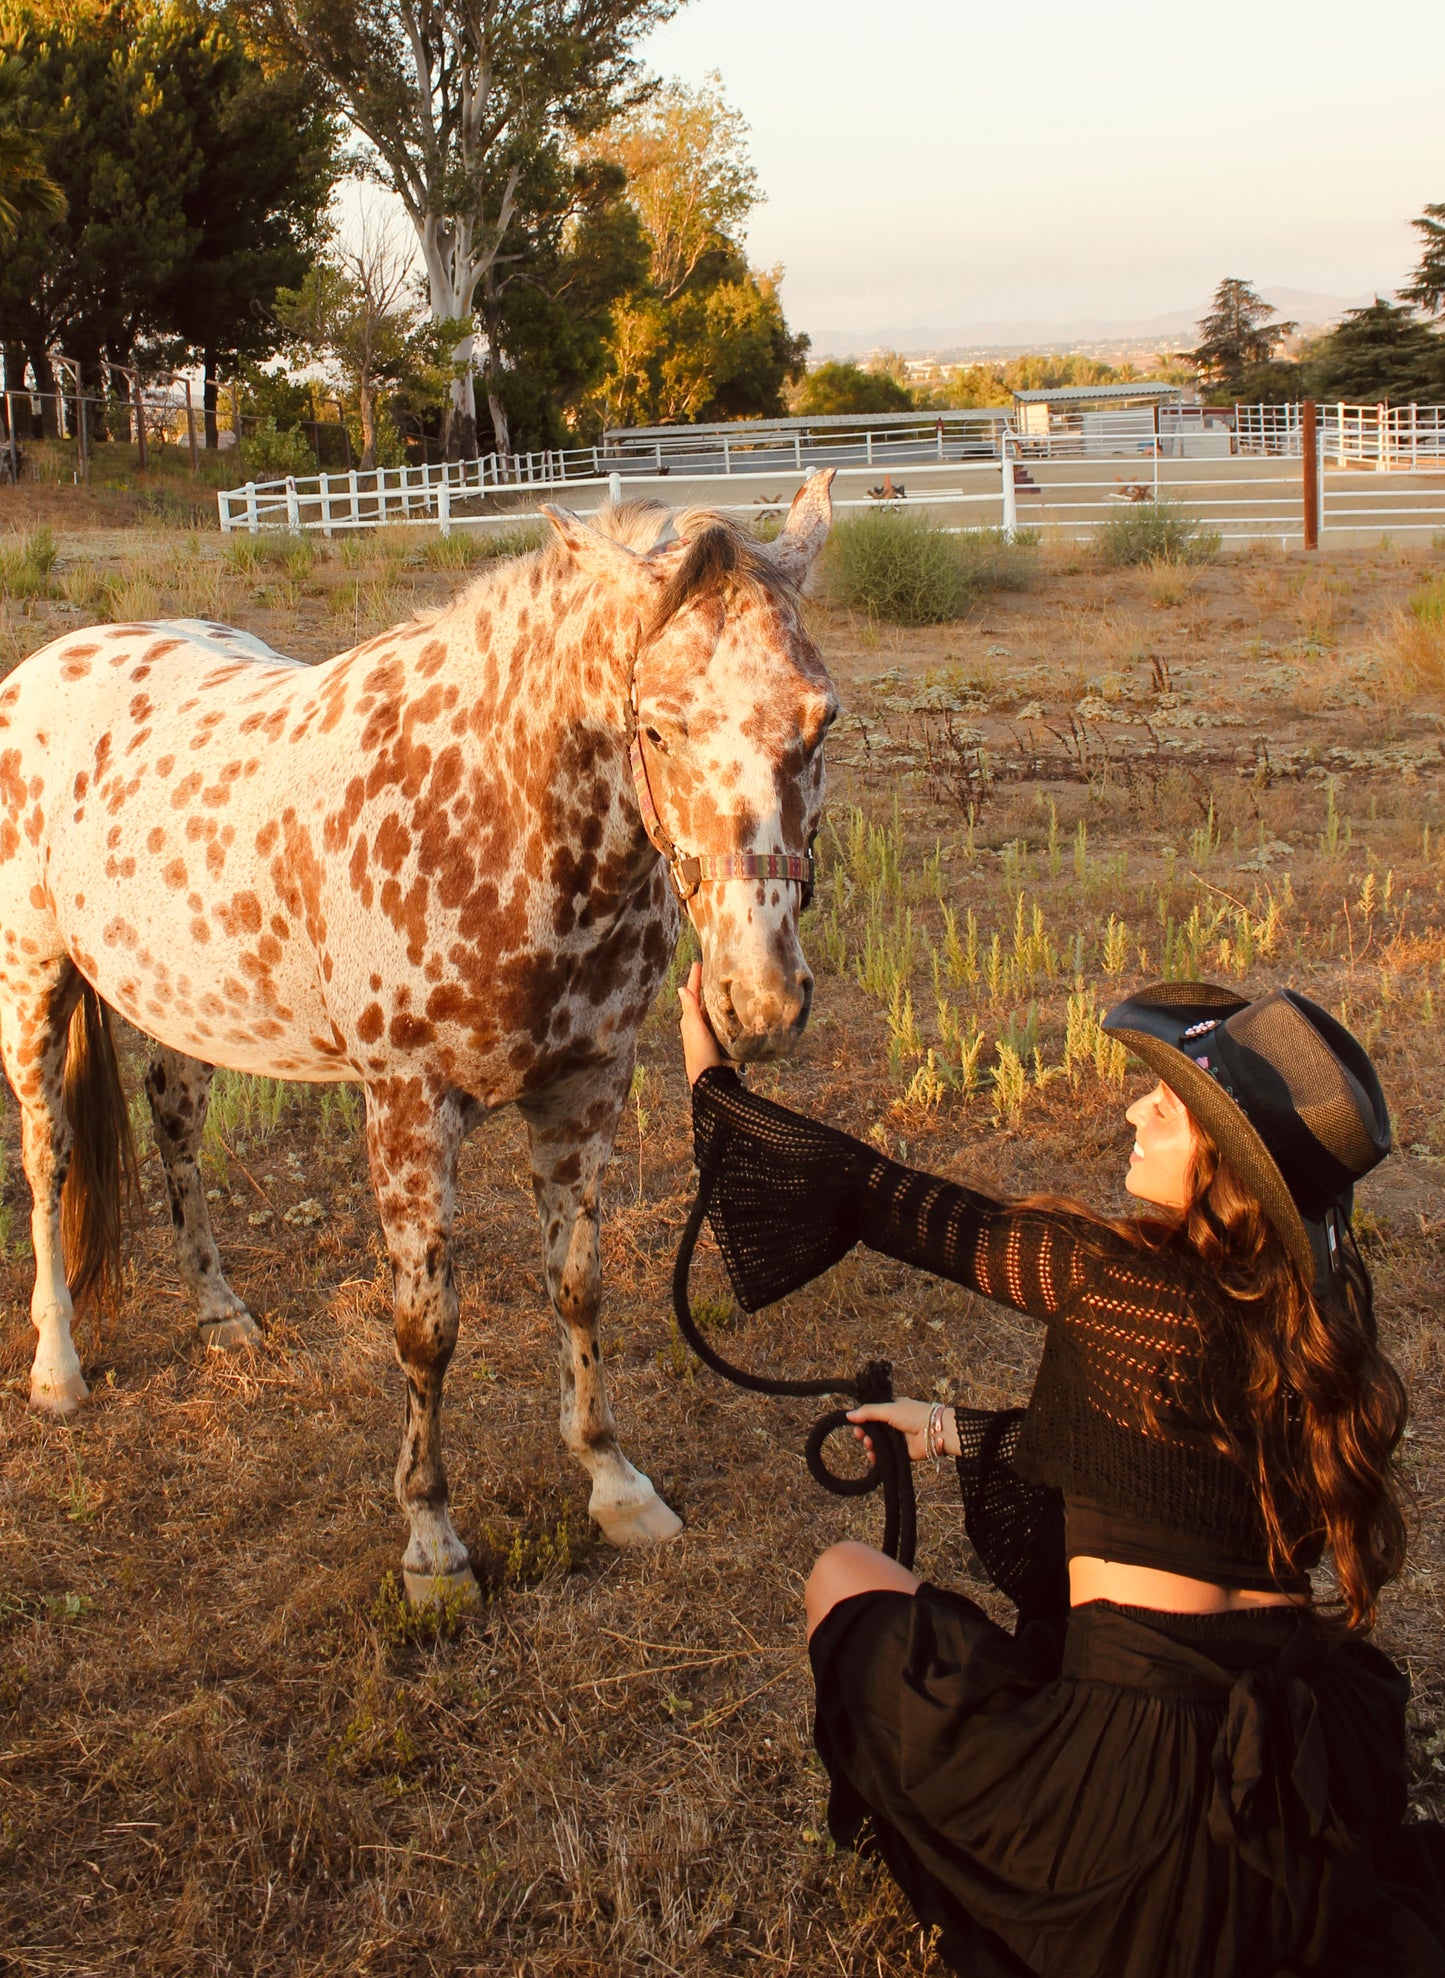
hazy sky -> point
(933, 163)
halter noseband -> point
(688, 871)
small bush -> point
(458, 551)
(1154, 532)
(270, 452)
(520, 540)
(275, 549)
(902, 566)
(26, 564)
(1428, 603)
(992, 563)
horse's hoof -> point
(239, 1334)
(649, 1523)
(60, 1396)
(454, 1593)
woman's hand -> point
(911, 1419)
(700, 1047)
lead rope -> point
(892, 1472)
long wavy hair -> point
(1324, 1407)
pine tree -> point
(1427, 290)
(1235, 336)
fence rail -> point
(1062, 481)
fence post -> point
(1010, 492)
(10, 428)
(326, 504)
(1310, 450)
(444, 507)
(191, 428)
(142, 457)
(223, 505)
(293, 505)
(614, 489)
(252, 523)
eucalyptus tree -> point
(455, 101)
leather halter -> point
(686, 870)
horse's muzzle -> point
(764, 1021)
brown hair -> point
(1325, 1408)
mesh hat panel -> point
(1323, 1093)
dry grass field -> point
(225, 1745)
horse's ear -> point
(806, 529)
(590, 550)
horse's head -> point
(732, 702)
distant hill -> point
(1309, 310)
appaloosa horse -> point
(443, 864)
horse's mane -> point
(720, 557)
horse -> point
(449, 864)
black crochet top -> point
(1117, 1419)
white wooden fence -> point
(1240, 471)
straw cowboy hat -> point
(1286, 1094)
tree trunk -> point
(501, 430)
(209, 392)
(366, 392)
(49, 397)
(459, 414)
(491, 313)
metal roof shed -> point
(1098, 419)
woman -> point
(1179, 1763)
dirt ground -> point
(225, 1745)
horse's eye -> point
(656, 740)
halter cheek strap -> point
(687, 871)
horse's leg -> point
(573, 1126)
(412, 1139)
(179, 1091)
(34, 1021)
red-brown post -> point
(1311, 438)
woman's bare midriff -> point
(1170, 1593)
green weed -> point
(1154, 532)
(27, 564)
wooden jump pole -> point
(1310, 446)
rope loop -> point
(891, 1471)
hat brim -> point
(1228, 1127)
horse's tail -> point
(102, 1184)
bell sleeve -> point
(781, 1188)
(789, 1197)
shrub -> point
(900, 565)
(458, 551)
(276, 549)
(1428, 603)
(1155, 532)
(26, 563)
(270, 452)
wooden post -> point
(142, 460)
(80, 426)
(1310, 434)
(191, 429)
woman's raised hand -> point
(700, 1047)
(910, 1418)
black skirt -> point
(1125, 1794)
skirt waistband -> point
(1142, 1648)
